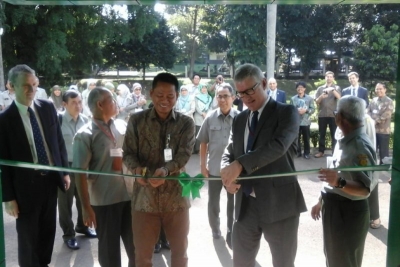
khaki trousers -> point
(146, 228)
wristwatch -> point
(341, 183)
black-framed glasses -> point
(335, 113)
(248, 92)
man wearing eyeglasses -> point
(213, 136)
(262, 142)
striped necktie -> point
(37, 136)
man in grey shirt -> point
(213, 137)
(71, 121)
(106, 200)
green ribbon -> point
(385, 167)
(191, 186)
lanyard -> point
(108, 134)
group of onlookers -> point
(156, 143)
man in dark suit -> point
(274, 92)
(30, 132)
(355, 89)
(269, 206)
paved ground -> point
(204, 251)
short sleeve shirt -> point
(357, 151)
(215, 131)
(327, 105)
(91, 151)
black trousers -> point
(196, 148)
(214, 193)
(305, 132)
(373, 202)
(36, 226)
(323, 123)
(345, 226)
(382, 144)
(65, 202)
(114, 222)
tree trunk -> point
(144, 72)
(194, 44)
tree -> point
(155, 47)
(185, 21)
(246, 32)
(376, 56)
(309, 29)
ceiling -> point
(194, 2)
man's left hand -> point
(329, 176)
(67, 181)
(231, 172)
(160, 172)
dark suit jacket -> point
(280, 96)
(274, 148)
(361, 93)
(17, 183)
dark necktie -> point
(353, 91)
(252, 131)
(247, 185)
(37, 136)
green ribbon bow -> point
(193, 185)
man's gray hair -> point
(17, 70)
(248, 70)
(96, 95)
(352, 109)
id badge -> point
(375, 111)
(115, 152)
(167, 154)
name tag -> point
(375, 111)
(167, 154)
(115, 152)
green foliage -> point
(309, 29)
(245, 28)
(376, 56)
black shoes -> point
(72, 243)
(160, 245)
(299, 155)
(157, 247)
(89, 232)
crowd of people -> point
(113, 131)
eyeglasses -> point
(248, 92)
(220, 97)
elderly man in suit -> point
(274, 92)
(263, 141)
(355, 89)
(30, 195)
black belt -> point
(333, 196)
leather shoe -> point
(165, 244)
(216, 235)
(306, 156)
(89, 232)
(298, 155)
(157, 247)
(72, 243)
